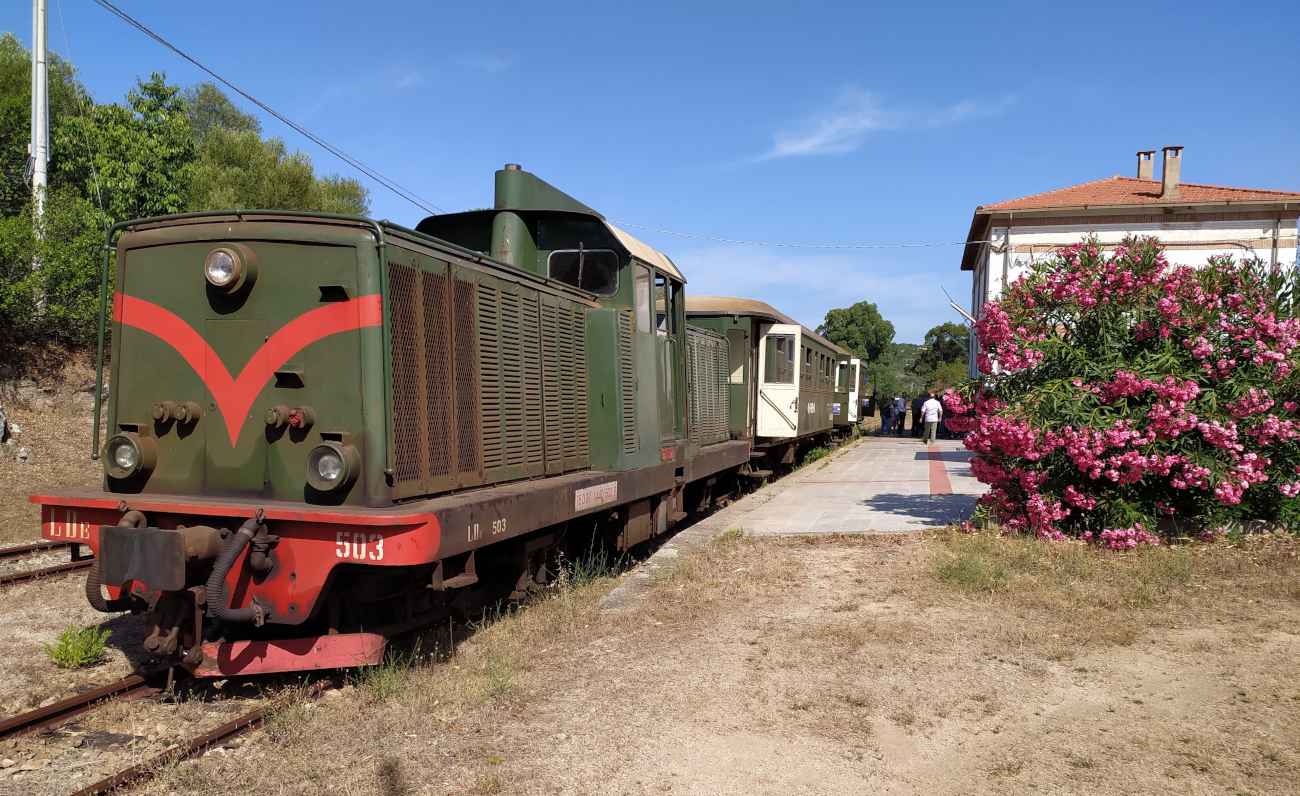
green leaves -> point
(859, 328)
(161, 151)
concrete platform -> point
(880, 485)
(876, 485)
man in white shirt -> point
(932, 413)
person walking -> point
(900, 413)
(931, 413)
(886, 417)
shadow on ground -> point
(944, 456)
(927, 509)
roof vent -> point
(1173, 169)
(514, 167)
(1146, 162)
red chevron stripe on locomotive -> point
(233, 395)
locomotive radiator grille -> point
(707, 360)
(438, 415)
(553, 361)
(408, 375)
(489, 380)
(489, 351)
(573, 382)
(627, 383)
(533, 383)
(435, 391)
(467, 393)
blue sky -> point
(809, 122)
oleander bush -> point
(1126, 401)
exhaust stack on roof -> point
(1146, 162)
(1173, 169)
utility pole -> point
(39, 149)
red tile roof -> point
(1124, 191)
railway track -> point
(18, 552)
(142, 686)
(131, 686)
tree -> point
(138, 158)
(860, 329)
(237, 169)
(210, 109)
(941, 362)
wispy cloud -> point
(855, 114)
(805, 286)
(408, 78)
(493, 63)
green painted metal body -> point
(741, 333)
(483, 370)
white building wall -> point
(1189, 243)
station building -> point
(1193, 221)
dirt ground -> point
(54, 418)
(945, 664)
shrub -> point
(78, 647)
(1126, 401)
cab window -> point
(642, 288)
(593, 270)
(665, 305)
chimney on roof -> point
(1146, 162)
(1173, 169)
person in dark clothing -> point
(900, 414)
(886, 417)
(916, 414)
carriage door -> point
(854, 404)
(778, 385)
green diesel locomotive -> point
(322, 428)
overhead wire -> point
(83, 99)
(369, 171)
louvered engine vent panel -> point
(707, 361)
(435, 395)
(627, 383)
(533, 383)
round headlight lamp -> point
(222, 268)
(128, 454)
(332, 466)
(229, 268)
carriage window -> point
(842, 377)
(778, 359)
(594, 270)
(642, 288)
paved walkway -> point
(878, 485)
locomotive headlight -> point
(222, 268)
(332, 465)
(127, 454)
(231, 268)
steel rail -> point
(59, 712)
(14, 551)
(33, 574)
(195, 746)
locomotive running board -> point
(339, 651)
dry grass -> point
(1068, 596)
(832, 666)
